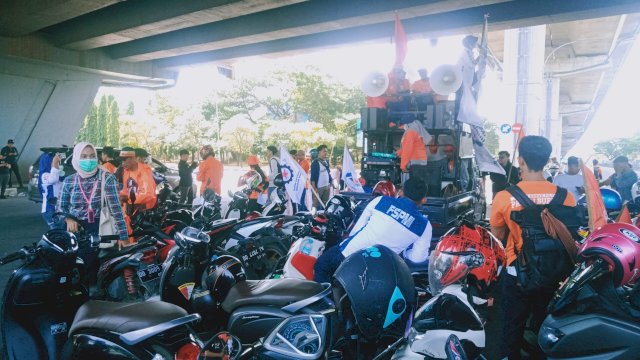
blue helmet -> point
(612, 200)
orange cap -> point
(253, 160)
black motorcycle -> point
(590, 318)
(46, 313)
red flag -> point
(595, 205)
(625, 216)
(401, 42)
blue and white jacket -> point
(394, 223)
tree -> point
(238, 135)
(113, 138)
(629, 147)
(491, 141)
(130, 108)
(102, 123)
(88, 132)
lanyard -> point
(93, 192)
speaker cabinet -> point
(374, 119)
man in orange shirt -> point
(413, 152)
(210, 171)
(534, 152)
(138, 186)
(107, 159)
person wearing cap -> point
(5, 173)
(137, 182)
(572, 180)
(623, 178)
(185, 170)
(11, 156)
(412, 152)
(210, 171)
(108, 153)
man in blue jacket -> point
(393, 222)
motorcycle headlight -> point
(548, 337)
(300, 337)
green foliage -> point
(492, 140)
(113, 135)
(102, 126)
(629, 147)
(130, 108)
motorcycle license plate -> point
(253, 253)
(149, 273)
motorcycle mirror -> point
(222, 345)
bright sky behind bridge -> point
(616, 117)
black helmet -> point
(379, 288)
(277, 181)
(58, 247)
(221, 275)
(339, 209)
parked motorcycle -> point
(46, 313)
(462, 268)
(596, 311)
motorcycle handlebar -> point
(20, 254)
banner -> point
(595, 205)
(349, 172)
(293, 176)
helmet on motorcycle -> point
(612, 200)
(384, 188)
(635, 193)
(466, 250)
(619, 245)
(379, 290)
(277, 181)
(339, 210)
(251, 179)
(176, 220)
(58, 247)
(205, 151)
(253, 160)
(221, 275)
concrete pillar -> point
(42, 105)
(552, 124)
(523, 76)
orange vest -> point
(210, 174)
(143, 184)
(411, 148)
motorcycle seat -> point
(110, 253)
(124, 317)
(275, 292)
(220, 224)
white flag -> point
(293, 176)
(349, 172)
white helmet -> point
(434, 323)
(635, 193)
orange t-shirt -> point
(142, 183)
(421, 87)
(411, 148)
(540, 192)
(109, 167)
(210, 173)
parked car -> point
(66, 153)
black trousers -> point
(517, 306)
(186, 194)
(327, 264)
(14, 169)
(4, 178)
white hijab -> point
(75, 161)
(419, 128)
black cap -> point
(10, 141)
(184, 152)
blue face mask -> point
(88, 165)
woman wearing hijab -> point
(81, 194)
(413, 152)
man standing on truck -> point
(413, 152)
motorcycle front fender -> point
(90, 346)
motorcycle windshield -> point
(581, 276)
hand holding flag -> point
(293, 176)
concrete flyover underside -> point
(54, 54)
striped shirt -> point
(73, 202)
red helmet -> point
(619, 245)
(466, 250)
(385, 188)
(251, 179)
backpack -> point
(545, 258)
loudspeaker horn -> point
(446, 79)
(374, 84)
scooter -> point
(589, 318)
(239, 205)
(46, 313)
